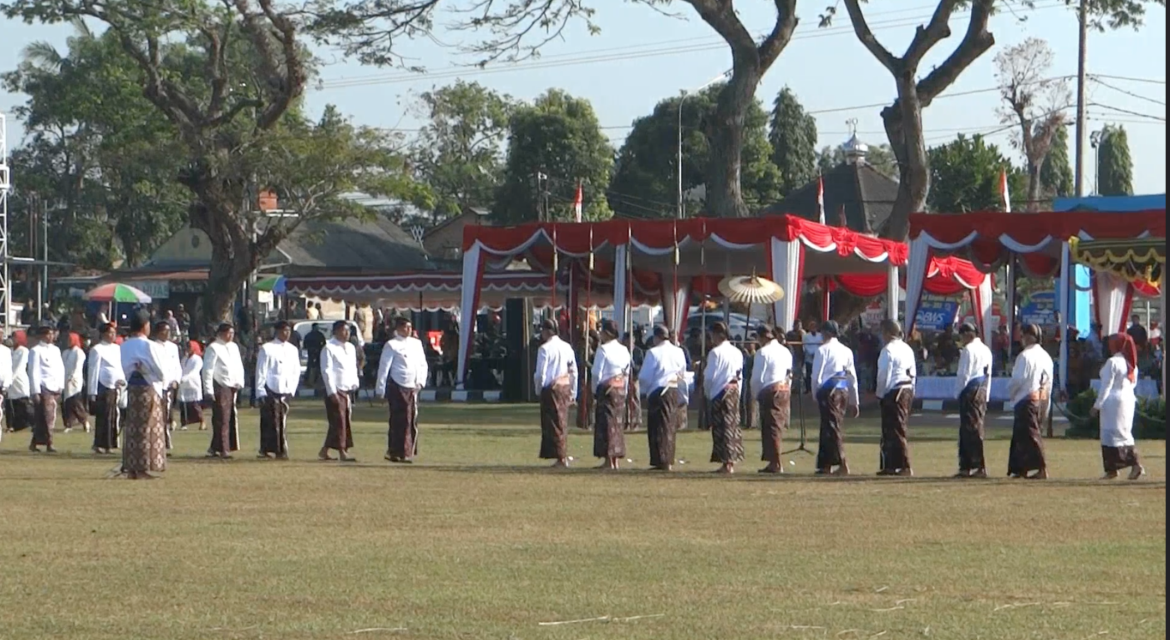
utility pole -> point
(1083, 25)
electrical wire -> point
(1126, 92)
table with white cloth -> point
(1145, 387)
(943, 388)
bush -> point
(1081, 423)
(1149, 421)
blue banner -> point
(1039, 307)
(935, 313)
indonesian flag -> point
(577, 202)
(820, 199)
(1003, 191)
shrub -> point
(1149, 421)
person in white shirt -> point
(340, 375)
(771, 385)
(402, 374)
(191, 388)
(721, 378)
(1030, 390)
(5, 380)
(663, 381)
(556, 379)
(834, 379)
(46, 381)
(611, 369)
(143, 424)
(278, 372)
(105, 382)
(172, 371)
(223, 377)
(20, 408)
(895, 391)
(1115, 405)
(972, 386)
(75, 412)
(810, 342)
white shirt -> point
(147, 358)
(1032, 373)
(339, 367)
(191, 382)
(74, 361)
(772, 364)
(46, 371)
(173, 366)
(19, 387)
(611, 360)
(811, 341)
(834, 359)
(974, 361)
(404, 361)
(555, 359)
(896, 367)
(278, 367)
(5, 368)
(1116, 402)
(104, 368)
(222, 364)
(664, 366)
(724, 366)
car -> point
(302, 329)
(738, 322)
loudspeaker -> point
(518, 371)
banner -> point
(1038, 307)
(873, 315)
(935, 313)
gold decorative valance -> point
(1139, 260)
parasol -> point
(116, 292)
(273, 284)
(750, 290)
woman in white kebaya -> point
(1115, 405)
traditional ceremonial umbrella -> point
(116, 292)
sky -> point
(641, 56)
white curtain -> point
(786, 273)
(468, 303)
(983, 309)
(916, 267)
(1062, 291)
(892, 289)
(619, 287)
(675, 303)
(1111, 295)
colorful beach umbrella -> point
(116, 292)
(274, 284)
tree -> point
(880, 157)
(793, 135)
(645, 181)
(1034, 103)
(229, 78)
(903, 119)
(1056, 175)
(966, 176)
(460, 151)
(554, 144)
(1115, 167)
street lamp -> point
(1096, 139)
(682, 98)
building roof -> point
(353, 246)
(866, 195)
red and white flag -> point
(820, 199)
(577, 202)
(1003, 191)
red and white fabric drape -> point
(1113, 296)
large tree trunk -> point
(724, 195)
(1034, 185)
(903, 124)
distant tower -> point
(855, 150)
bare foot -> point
(1136, 472)
(345, 457)
(771, 468)
(1111, 475)
(323, 454)
(560, 464)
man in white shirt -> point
(278, 372)
(611, 368)
(1030, 389)
(5, 378)
(223, 377)
(810, 342)
(402, 374)
(173, 373)
(339, 373)
(663, 379)
(104, 382)
(556, 379)
(834, 379)
(972, 386)
(46, 380)
(895, 391)
(721, 378)
(20, 407)
(772, 386)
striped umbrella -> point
(116, 292)
(274, 284)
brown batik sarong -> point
(554, 421)
(225, 433)
(339, 412)
(274, 423)
(609, 412)
(106, 416)
(20, 414)
(1027, 447)
(190, 413)
(663, 407)
(831, 444)
(75, 411)
(895, 451)
(143, 427)
(1117, 458)
(775, 412)
(44, 417)
(633, 407)
(726, 434)
(403, 436)
(972, 411)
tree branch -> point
(976, 41)
(934, 32)
(781, 34)
(865, 35)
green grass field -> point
(479, 540)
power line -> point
(1128, 112)
(1128, 93)
(1129, 79)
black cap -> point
(719, 329)
(609, 327)
(1033, 330)
(967, 327)
(660, 331)
(765, 331)
(830, 326)
(548, 325)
